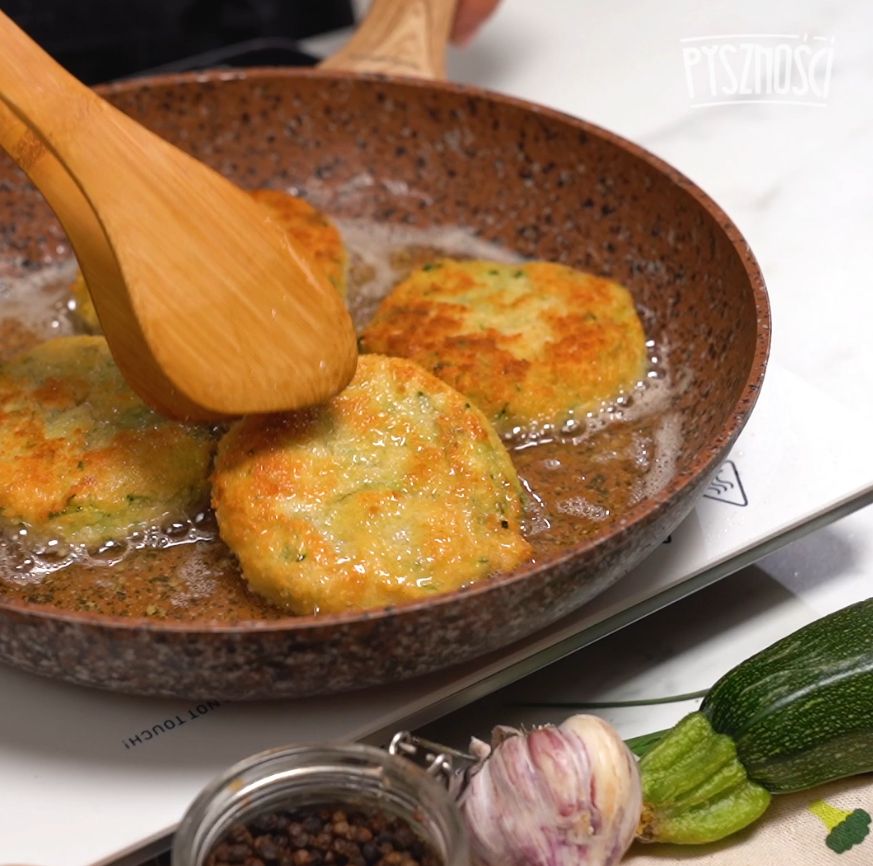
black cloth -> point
(100, 40)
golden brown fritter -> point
(82, 458)
(396, 489)
(310, 228)
(532, 345)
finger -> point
(469, 17)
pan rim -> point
(648, 510)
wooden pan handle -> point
(399, 37)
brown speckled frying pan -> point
(452, 168)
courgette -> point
(796, 715)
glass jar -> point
(348, 775)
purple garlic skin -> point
(554, 796)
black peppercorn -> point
(322, 836)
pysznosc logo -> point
(758, 68)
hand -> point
(469, 17)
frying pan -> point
(418, 153)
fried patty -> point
(533, 345)
(82, 458)
(310, 228)
(396, 489)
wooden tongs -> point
(208, 307)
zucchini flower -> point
(554, 796)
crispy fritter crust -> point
(395, 490)
(532, 345)
(312, 230)
(309, 227)
(82, 458)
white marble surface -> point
(798, 181)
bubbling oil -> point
(29, 557)
(579, 477)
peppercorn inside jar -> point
(345, 805)
(320, 836)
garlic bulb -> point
(554, 796)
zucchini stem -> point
(695, 789)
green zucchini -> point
(796, 715)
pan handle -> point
(399, 37)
